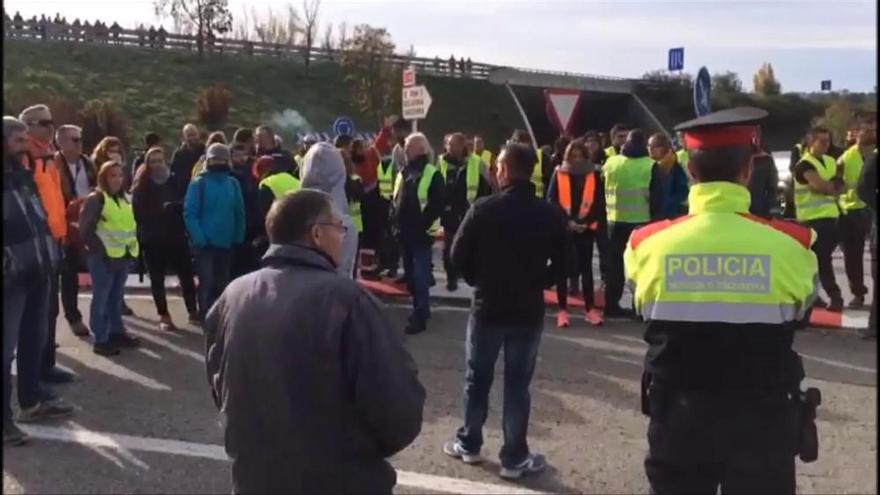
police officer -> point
(817, 184)
(720, 291)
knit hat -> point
(217, 152)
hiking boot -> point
(57, 375)
(433, 281)
(452, 285)
(454, 449)
(12, 434)
(126, 311)
(124, 340)
(836, 305)
(105, 349)
(534, 463)
(79, 329)
(857, 302)
(166, 325)
(562, 319)
(45, 410)
(594, 317)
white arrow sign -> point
(416, 102)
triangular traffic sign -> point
(563, 103)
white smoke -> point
(288, 123)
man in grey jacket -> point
(312, 380)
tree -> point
(765, 82)
(310, 28)
(727, 82)
(207, 18)
(327, 42)
(373, 81)
(838, 118)
(283, 28)
(342, 35)
(241, 28)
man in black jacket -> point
(502, 249)
(318, 394)
(185, 157)
(867, 190)
(268, 146)
(419, 199)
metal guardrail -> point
(162, 40)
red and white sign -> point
(409, 77)
(562, 104)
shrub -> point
(99, 119)
(212, 106)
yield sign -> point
(562, 103)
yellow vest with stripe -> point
(486, 157)
(385, 178)
(421, 192)
(472, 179)
(720, 265)
(853, 163)
(813, 206)
(281, 183)
(354, 210)
(627, 189)
(117, 228)
(538, 175)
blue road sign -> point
(343, 126)
(703, 93)
(676, 59)
(826, 85)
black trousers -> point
(374, 216)
(854, 228)
(70, 268)
(602, 246)
(388, 248)
(826, 242)
(618, 236)
(580, 262)
(161, 259)
(49, 348)
(744, 444)
(245, 259)
(448, 236)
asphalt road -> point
(145, 422)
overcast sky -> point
(806, 41)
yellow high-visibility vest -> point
(117, 228)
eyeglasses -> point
(45, 123)
(338, 226)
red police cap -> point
(731, 127)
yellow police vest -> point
(682, 156)
(627, 189)
(281, 183)
(538, 174)
(354, 210)
(721, 265)
(421, 192)
(610, 151)
(117, 228)
(385, 178)
(813, 206)
(853, 163)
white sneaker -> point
(534, 463)
(454, 449)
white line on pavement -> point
(839, 364)
(216, 452)
(623, 360)
(108, 366)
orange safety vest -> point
(563, 185)
(40, 161)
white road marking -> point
(623, 360)
(168, 345)
(839, 364)
(121, 442)
(848, 321)
(635, 340)
(105, 365)
(149, 353)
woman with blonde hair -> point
(158, 212)
(108, 231)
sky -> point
(806, 41)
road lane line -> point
(624, 360)
(108, 366)
(839, 364)
(216, 452)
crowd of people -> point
(511, 227)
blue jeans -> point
(25, 326)
(213, 266)
(484, 342)
(417, 269)
(108, 287)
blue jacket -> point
(669, 193)
(213, 210)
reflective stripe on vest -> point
(538, 175)
(563, 185)
(627, 189)
(117, 228)
(852, 162)
(281, 183)
(813, 206)
(385, 176)
(421, 191)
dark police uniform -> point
(721, 292)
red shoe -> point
(562, 319)
(594, 317)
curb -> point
(820, 318)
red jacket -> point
(368, 169)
